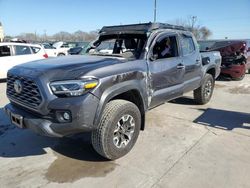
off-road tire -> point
(102, 138)
(200, 95)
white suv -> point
(12, 54)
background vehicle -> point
(50, 50)
(109, 94)
(78, 48)
(62, 48)
(235, 56)
(12, 54)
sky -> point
(225, 18)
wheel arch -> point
(212, 71)
(126, 92)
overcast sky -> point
(226, 18)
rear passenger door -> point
(166, 70)
(26, 53)
(192, 61)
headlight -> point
(72, 87)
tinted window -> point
(187, 45)
(35, 49)
(4, 51)
(22, 50)
(46, 46)
(65, 46)
(165, 48)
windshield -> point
(123, 45)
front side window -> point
(5, 51)
(22, 50)
(165, 48)
(187, 45)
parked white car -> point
(12, 54)
(62, 48)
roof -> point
(19, 44)
(139, 28)
(224, 40)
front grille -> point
(29, 95)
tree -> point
(200, 32)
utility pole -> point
(194, 18)
(155, 10)
(45, 35)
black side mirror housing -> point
(153, 57)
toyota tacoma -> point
(108, 94)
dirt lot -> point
(184, 145)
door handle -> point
(180, 66)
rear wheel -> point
(203, 94)
(118, 129)
(61, 54)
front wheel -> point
(203, 94)
(118, 129)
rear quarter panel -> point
(215, 61)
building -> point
(1, 32)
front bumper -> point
(83, 110)
(235, 71)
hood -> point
(230, 48)
(68, 67)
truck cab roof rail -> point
(142, 28)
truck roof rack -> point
(142, 27)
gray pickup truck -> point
(108, 93)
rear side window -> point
(22, 50)
(5, 51)
(35, 49)
(48, 46)
(187, 45)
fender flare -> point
(116, 90)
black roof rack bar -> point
(143, 27)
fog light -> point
(63, 116)
(66, 116)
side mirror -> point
(205, 60)
(153, 57)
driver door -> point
(166, 72)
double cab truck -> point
(108, 94)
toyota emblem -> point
(18, 86)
